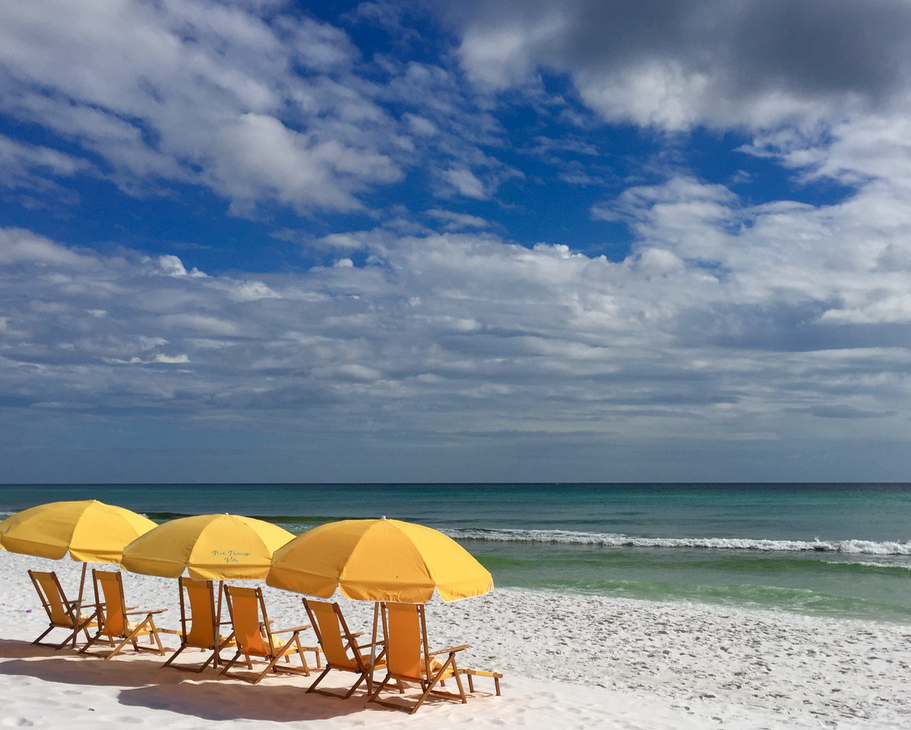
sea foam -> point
(603, 539)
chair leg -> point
(50, 629)
(211, 660)
(173, 657)
(156, 634)
(292, 644)
(271, 666)
(450, 662)
(380, 688)
(458, 679)
(231, 664)
(263, 673)
(312, 687)
(300, 653)
(344, 696)
(91, 642)
(355, 686)
(83, 627)
(131, 637)
(120, 646)
(218, 648)
(70, 637)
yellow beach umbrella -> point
(90, 531)
(378, 560)
(208, 547)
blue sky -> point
(455, 241)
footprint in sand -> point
(16, 722)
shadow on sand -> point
(67, 667)
(143, 683)
(206, 696)
(226, 700)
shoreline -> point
(568, 661)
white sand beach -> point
(568, 661)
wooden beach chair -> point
(199, 623)
(409, 659)
(340, 648)
(61, 613)
(113, 616)
(254, 636)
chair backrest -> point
(333, 634)
(201, 618)
(113, 605)
(406, 643)
(51, 594)
(248, 615)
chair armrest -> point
(154, 610)
(288, 631)
(171, 631)
(367, 646)
(450, 650)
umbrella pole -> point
(78, 611)
(221, 591)
(376, 615)
(81, 586)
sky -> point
(498, 241)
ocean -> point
(838, 550)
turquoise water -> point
(836, 550)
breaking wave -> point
(566, 537)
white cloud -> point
(255, 102)
(258, 155)
(17, 159)
(726, 321)
(658, 262)
(457, 221)
(465, 183)
(19, 246)
(33, 173)
(778, 311)
(172, 266)
(421, 126)
(654, 94)
(198, 91)
(171, 359)
(679, 64)
(319, 46)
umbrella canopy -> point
(89, 530)
(209, 547)
(378, 560)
